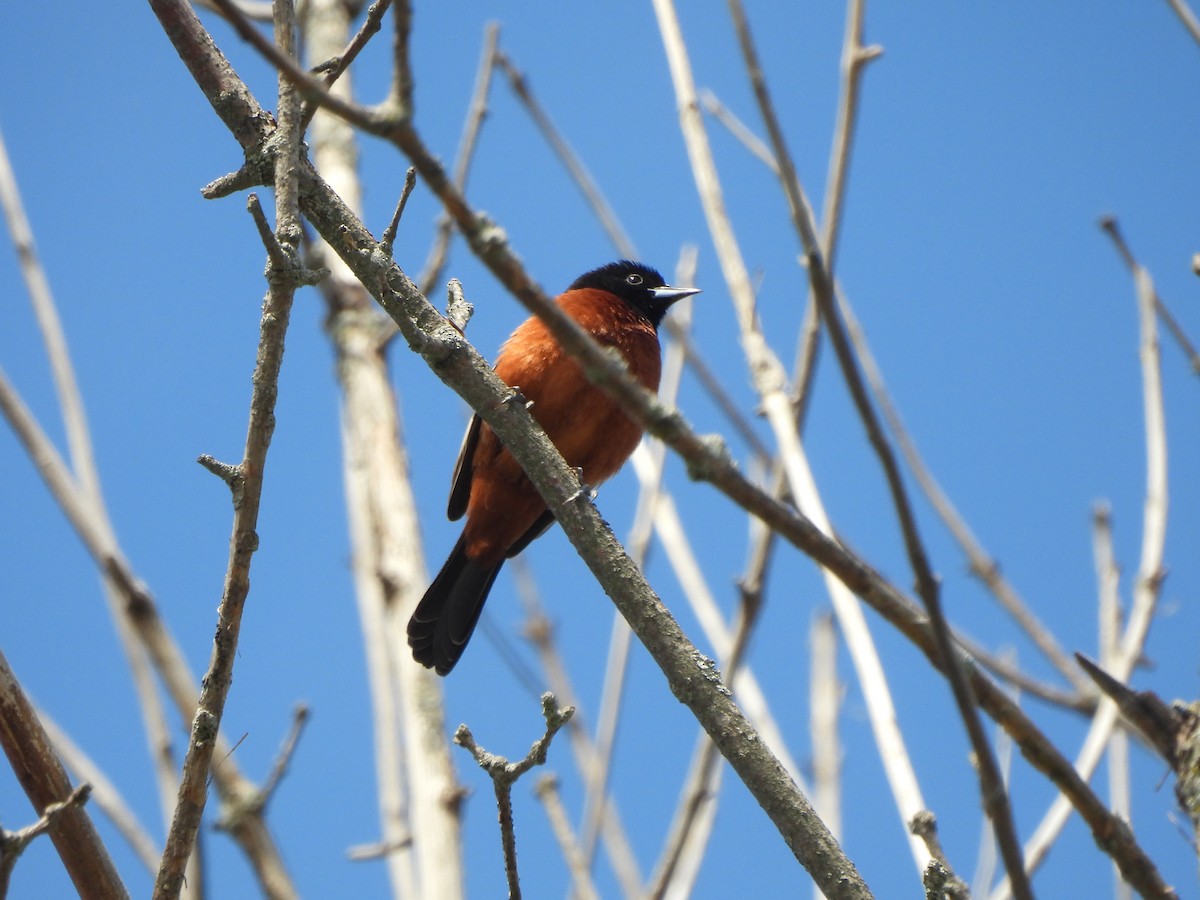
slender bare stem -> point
(334, 66)
(574, 165)
(982, 564)
(504, 775)
(588, 753)
(1109, 609)
(284, 274)
(1148, 583)
(992, 790)
(476, 112)
(825, 692)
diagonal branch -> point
(45, 782)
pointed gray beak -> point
(669, 294)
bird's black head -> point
(640, 286)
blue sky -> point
(990, 141)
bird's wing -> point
(464, 469)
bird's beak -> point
(668, 294)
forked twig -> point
(504, 774)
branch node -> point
(230, 474)
(13, 843)
(284, 268)
(868, 54)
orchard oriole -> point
(620, 305)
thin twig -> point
(284, 275)
(402, 81)
(1109, 631)
(988, 858)
(855, 58)
(286, 752)
(574, 165)
(1109, 225)
(825, 693)
(739, 129)
(981, 564)
(477, 111)
(336, 65)
(1148, 583)
(389, 233)
(83, 466)
(992, 790)
(504, 775)
(13, 843)
(924, 826)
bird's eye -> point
(633, 279)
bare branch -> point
(45, 782)
(336, 65)
(476, 112)
(826, 693)
(855, 58)
(284, 274)
(981, 563)
(13, 843)
(389, 233)
(504, 775)
(1148, 585)
(574, 165)
(995, 796)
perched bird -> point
(620, 305)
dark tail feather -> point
(442, 624)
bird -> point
(620, 305)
